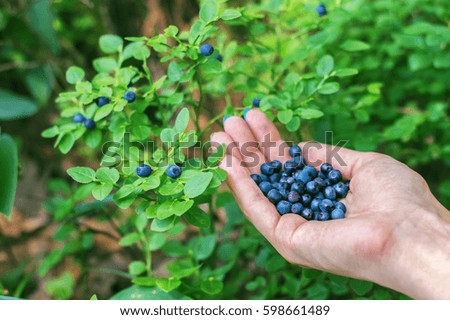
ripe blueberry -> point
(337, 214)
(295, 151)
(256, 102)
(320, 182)
(330, 193)
(78, 118)
(284, 193)
(321, 10)
(299, 161)
(311, 171)
(315, 204)
(89, 124)
(267, 169)
(323, 216)
(144, 170)
(101, 101)
(290, 166)
(298, 187)
(306, 199)
(283, 207)
(293, 196)
(297, 208)
(265, 187)
(274, 196)
(130, 96)
(206, 49)
(277, 165)
(341, 206)
(326, 205)
(290, 180)
(303, 176)
(173, 171)
(307, 213)
(334, 176)
(320, 196)
(312, 187)
(256, 177)
(275, 177)
(264, 177)
(341, 189)
(325, 168)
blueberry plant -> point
(157, 183)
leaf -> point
(74, 74)
(310, 113)
(168, 136)
(136, 267)
(174, 207)
(294, 124)
(211, 286)
(108, 175)
(41, 20)
(151, 183)
(144, 281)
(61, 288)
(170, 189)
(125, 191)
(354, 45)
(325, 65)
(216, 156)
(360, 287)
(50, 132)
(82, 174)
(182, 120)
(208, 11)
(197, 217)
(129, 239)
(230, 14)
(163, 225)
(40, 82)
(198, 184)
(105, 65)
(103, 112)
(13, 107)
(203, 247)
(346, 72)
(110, 43)
(169, 284)
(8, 174)
(157, 241)
(147, 293)
(101, 191)
(93, 138)
(285, 116)
(66, 143)
(329, 88)
(175, 71)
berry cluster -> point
(144, 170)
(303, 190)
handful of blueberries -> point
(303, 190)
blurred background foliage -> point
(398, 104)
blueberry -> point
(311, 171)
(290, 166)
(130, 96)
(101, 101)
(298, 187)
(341, 189)
(315, 204)
(278, 166)
(206, 49)
(307, 213)
(284, 174)
(219, 57)
(306, 199)
(320, 195)
(274, 196)
(295, 151)
(290, 180)
(320, 182)
(326, 205)
(265, 187)
(323, 216)
(173, 171)
(256, 177)
(89, 124)
(263, 177)
(277, 185)
(347, 183)
(293, 196)
(341, 206)
(321, 175)
(337, 214)
(330, 193)
(325, 168)
(302, 176)
(283, 179)
(283, 207)
(312, 187)
(284, 193)
(275, 177)
(267, 168)
(297, 208)
(321, 10)
(299, 161)
(284, 186)
(78, 118)
(256, 102)
(327, 182)
(334, 176)
(144, 170)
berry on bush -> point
(78, 118)
(256, 102)
(144, 170)
(101, 101)
(321, 10)
(89, 124)
(130, 96)
(173, 171)
(206, 49)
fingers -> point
(267, 135)
(232, 148)
(239, 131)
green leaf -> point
(354, 45)
(40, 82)
(208, 11)
(50, 132)
(101, 191)
(285, 116)
(325, 66)
(293, 125)
(103, 112)
(125, 191)
(93, 138)
(346, 72)
(329, 88)
(151, 183)
(136, 267)
(157, 241)
(211, 286)
(129, 239)
(168, 136)
(308, 114)
(82, 174)
(360, 287)
(170, 189)
(110, 43)
(13, 107)
(163, 225)
(144, 281)
(74, 74)
(61, 288)
(8, 174)
(66, 143)
(175, 71)
(168, 285)
(147, 293)
(197, 217)
(230, 14)
(203, 247)
(174, 207)
(40, 16)
(108, 175)
(105, 65)
(182, 120)
(216, 156)
(198, 184)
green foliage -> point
(8, 174)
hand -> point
(394, 233)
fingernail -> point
(246, 110)
(226, 117)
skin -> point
(395, 232)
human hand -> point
(394, 233)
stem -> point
(210, 123)
(148, 258)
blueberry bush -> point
(374, 73)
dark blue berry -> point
(265, 187)
(297, 208)
(290, 180)
(299, 161)
(276, 185)
(144, 170)
(307, 213)
(337, 214)
(277, 165)
(347, 183)
(219, 57)
(130, 96)
(330, 193)
(295, 151)
(341, 206)
(284, 186)
(334, 176)
(315, 204)
(303, 177)
(312, 187)
(327, 182)
(320, 195)
(275, 177)
(326, 205)
(323, 216)
(298, 187)
(173, 171)
(321, 10)
(256, 102)
(293, 196)
(284, 174)
(321, 175)
(284, 193)
(325, 168)
(311, 171)
(101, 101)
(306, 199)
(283, 207)
(89, 124)
(290, 166)
(341, 189)
(206, 49)
(78, 118)
(267, 168)
(263, 177)
(320, 182)
(256, 177)
(274, 196)
(283, 179)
